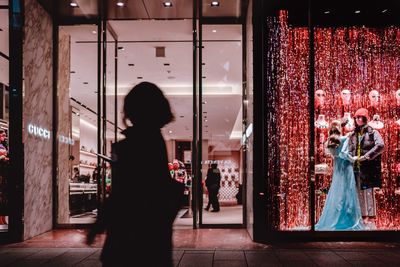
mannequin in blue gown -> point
(342, 208)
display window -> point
(334, 163)
(4, 120)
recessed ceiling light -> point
(166, 64)
(203, 77)
(170, 131)
(214, 3)
(72, 71)
(120, 4)
(167, 4)
(85, 83)
(357, 11)
(204, 102)
(384, 11)
(131, 64)
(94, 32)
(73, 4)
(327, 12)
(181, 116)
(214, 31)
(121, 48)
(203, 63)
(140, 77)
(1, 29)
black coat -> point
(139, 214)
(371, 145)
(213, 178)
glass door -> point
(221, 124)
(155, 44)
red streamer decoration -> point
(356, 58)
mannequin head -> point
(397, 94)
(320, 97)
(345, 95)
(373, 98)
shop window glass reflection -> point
(4, 119)
(355, 67)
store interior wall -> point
(64, 128)
(37, 111)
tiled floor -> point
(204, 247)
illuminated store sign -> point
(38, 131)
(66, 140)
(45, 134)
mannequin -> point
(374, 99)
(398, 123)
(349, 126)
(321, 123)
(397, 94)
(345, 96)
(319, 100)
(376, 123)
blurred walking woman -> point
(144, 201)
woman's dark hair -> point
(146, 104)
(334, 137)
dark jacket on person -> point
(372, 146)
(144, 201)
(213, 178)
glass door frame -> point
(202, 21)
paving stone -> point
(89, 263)
(291, 255)
(225, 263)
(354, 255)
(229, 255)
(196, 260)
(367, 263)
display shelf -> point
(87, 153)
(87, 166)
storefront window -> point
(77, 124)
(355, 75)
(4, 119)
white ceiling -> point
(222, 55)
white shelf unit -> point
(88, 153)
(87, 166)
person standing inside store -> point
(365, 148)
(213, 183)
(144, 200)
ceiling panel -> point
(131, 10)
(226, 8)
(88, 9)
(180, 9)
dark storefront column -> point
(16, 152)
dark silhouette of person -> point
(213, 182)
(144, 200)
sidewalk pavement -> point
(44, 257)
(204, 248)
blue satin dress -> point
(342, 210)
